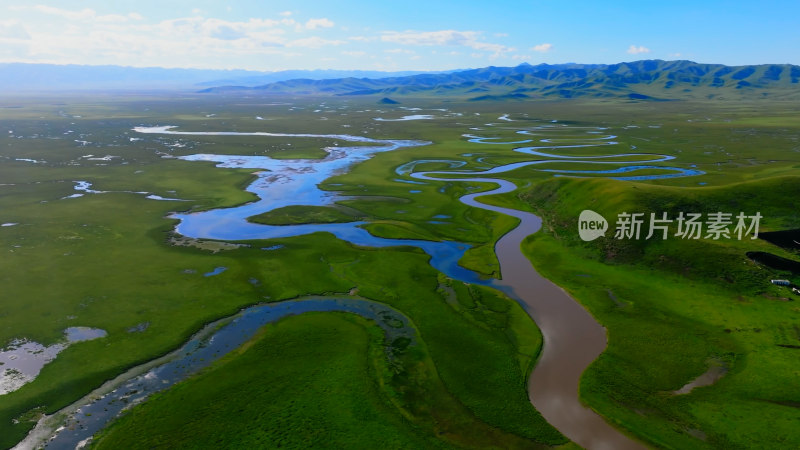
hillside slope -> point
(638, 80)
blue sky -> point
(395, 35)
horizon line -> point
(374, 70)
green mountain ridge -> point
(637, 80)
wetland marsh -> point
(424, 253)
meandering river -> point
(92, 413)
(572, 338)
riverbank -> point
(572, 338)
(698, 302)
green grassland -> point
(290, 215)
(314, 380)
(310, 380)
(673, 307)
(104, 260)
(678, 305)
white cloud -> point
(12, 29)
(542, 48)
(85, 15)
(313, 24)
(634, 50)
(444, 37)
(227, 33)
(60, 36)
(400, 50)
(67, 14)
(496, 49)
(111, 18)
(313, 42)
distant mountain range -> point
(639, 80)
(51, 77)
(273, 77)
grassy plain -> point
(679, 305)
(675, 307)
(316, 380)
(103, 260)
(292, 215)
(311, 380)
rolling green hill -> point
(638, 80)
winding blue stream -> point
(572, 338)
(295, 182)
(209, 345)
(283, 183)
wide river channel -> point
(572, 338)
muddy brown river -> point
(572, 337)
